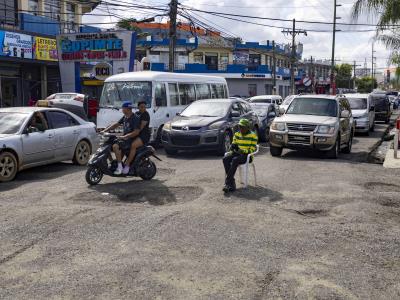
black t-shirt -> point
(129, 124)
(145, 132)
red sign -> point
(86, 54)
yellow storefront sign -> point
(45, 49)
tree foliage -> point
(366, 84)
(128, 24)
(344, 74)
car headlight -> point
(215, 126)
(167, 126)
(279, 126)
(326, 129)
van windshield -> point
(358, 103)
(114, 93)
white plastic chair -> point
(244, 169)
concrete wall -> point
(240, 86)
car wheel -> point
(275, 151)
(8, 166)
(335, 151)
(349, 145)
(93, 175)
(226, 143)
(170, 151)
(266, 135)
(82, 153)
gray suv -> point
(315, 122)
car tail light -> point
(398, 123)
(78, 98)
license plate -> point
(42, 103)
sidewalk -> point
(391, 162)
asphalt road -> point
(314, 228)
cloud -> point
(350, 46)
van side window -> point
(160, 94)
(173, 94)
(218, 91)
(187, 93)
(202, 91)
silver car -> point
(34, 136)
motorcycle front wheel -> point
(147, 169)
(93, 175)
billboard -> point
(14, 44)
(45, 49)
(241, 57)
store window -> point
(198, 58)
(7, 12)
(33, 7)
(211, 60)
(52, 9)
(224, 61)
(254, 62)
(252, 88)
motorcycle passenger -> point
(130, 130)
(143, 137)
(244, 143)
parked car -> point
(72, 102)
(266, 114)
(363, 112)
(285, 104)
(206, 124)
(274, 99)
(317, 122)
(34, 136)
(382, 107)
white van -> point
(363, 111)
(166, 95)
(270, 99)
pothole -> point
(382, 187)
(389, 202)
(313, 213)
(154, 196)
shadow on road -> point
(154, 192)
(255, 193)
(41, 173)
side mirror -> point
(281, 110)
(235, 114)
(345, 114)
(271, 114)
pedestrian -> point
(244, 143)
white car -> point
(285, 104)
(269, 99)
(363, 111)
(34, 136)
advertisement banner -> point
(241, 57)
(45, 49)
(14, 44)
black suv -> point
(381, 103)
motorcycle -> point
(102, 162)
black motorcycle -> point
(102, 162)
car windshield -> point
(260, 110)
(114, 93)
(261, 100)
(358, 103)
(287, 100)
(10, 122)
(313, 106)
(206, 109)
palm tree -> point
(388, 30)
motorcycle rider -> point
(131, 128)
(244, 143)
(143, 136)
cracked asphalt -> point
(313, 228)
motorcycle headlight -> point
(279, 126)
(167, 126)
(326, 129)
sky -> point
(350, 46)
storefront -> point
(87, 59)
(25, 65)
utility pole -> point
(373, 61)
(273, 69)
(293, 33)
(333, 83)
(173, 11)
(355, 75)
(312, 76)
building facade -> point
(314, 76)
(248, 67)
(28, 51)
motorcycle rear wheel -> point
(93, 175)
(147, 169)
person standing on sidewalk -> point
(244, 143)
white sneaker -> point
(118, 171)
(125, 170)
